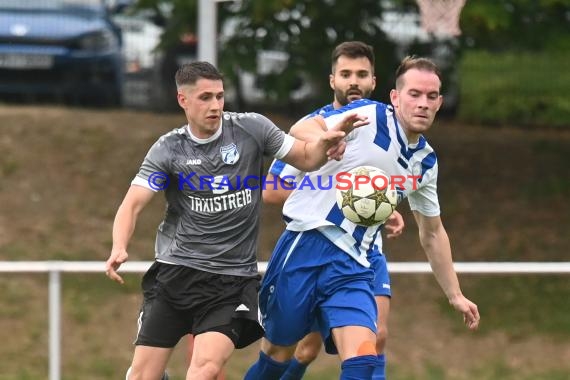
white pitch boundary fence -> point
(55, 268)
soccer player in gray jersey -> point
(204, 280)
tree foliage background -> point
(516, 24)
(309, 29)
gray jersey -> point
(213, 192)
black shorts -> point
(179, 300)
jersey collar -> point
(209, 139)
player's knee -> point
(381, 337)
(307, 352)
(207, 370)
(136, 373)
(211, 371)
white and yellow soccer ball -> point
(365, 195)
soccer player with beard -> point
(352, 78)
(320, 274)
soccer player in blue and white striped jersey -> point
(319, 271)
(352, 78)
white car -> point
(141, 38)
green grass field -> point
(519, 312)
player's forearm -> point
(135, 200)
(308, 129)
(307, 156)
(315, 153)
(438, 251)
(276, 195)
(123, 227)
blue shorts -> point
(310, 280)
(381, 284)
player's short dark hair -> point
(190, 73)
(352, 49)
(419, 63)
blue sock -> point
(266, 369)
(295, 370)
(380, 369)
(359, 367)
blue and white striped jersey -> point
(382, 144)
(285, 171)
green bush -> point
(520, 89)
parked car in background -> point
(150, 63)
(65, 48)
(141, 38)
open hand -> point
(350, 122)
(469, 310)
(336, 141)
(394, 225)
(113, 263)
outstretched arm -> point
(315, 145)
(125, 220)
(435, 243)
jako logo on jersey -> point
(230, 154)
(194, 161)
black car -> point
(67, 48)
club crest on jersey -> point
(230, 154)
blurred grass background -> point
(523, 89)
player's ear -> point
(331, 81)
(181, 99)
(373, 82)
(440, 101)
(394, 97)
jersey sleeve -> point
(155, 166)
(287, 172)
(364, 107)
(272, 140)
(425, 199)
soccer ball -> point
(365, 196)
